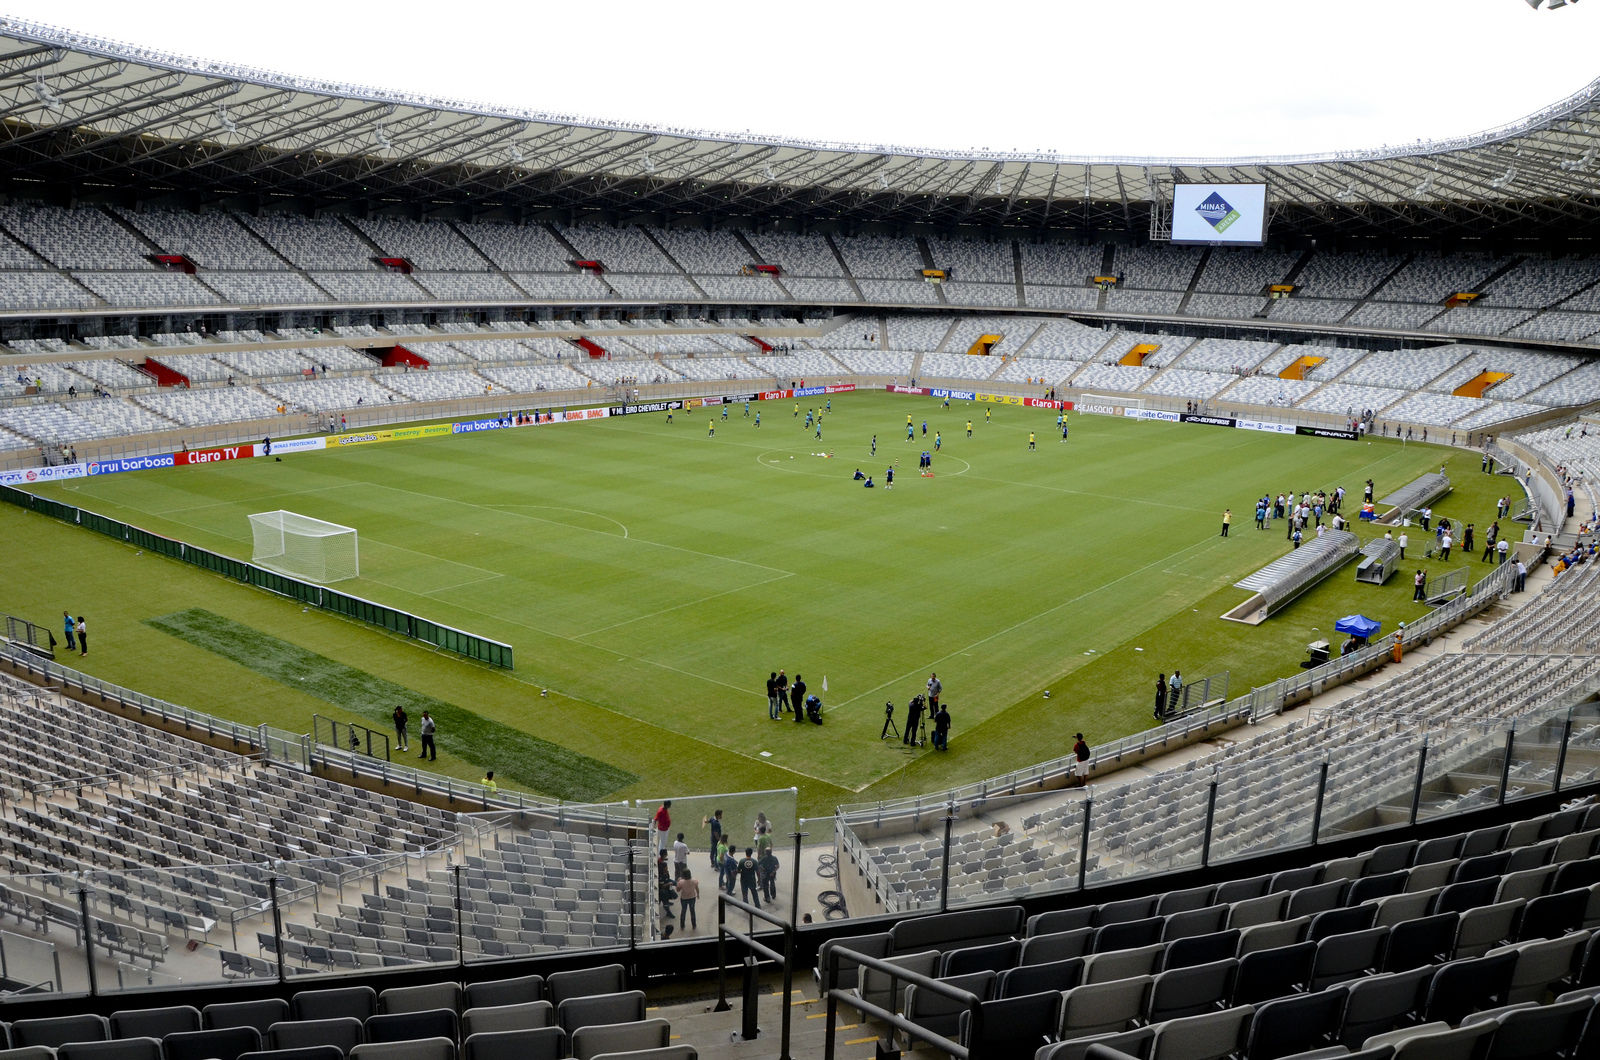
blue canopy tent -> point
(1358, 626)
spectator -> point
(749, 878)
(680, 856)
(688, 892)
(663, 822)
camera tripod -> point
(888, 722)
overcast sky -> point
(1086, 77)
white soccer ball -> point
(791, 458)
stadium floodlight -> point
(303, 547)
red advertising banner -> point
(211, 456)
(776, 395)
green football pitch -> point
(650, 575)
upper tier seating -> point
(312, 243)
(210, 240)
(428, 245)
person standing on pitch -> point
(772, 695)
(1227, 520)
(941, 729)
(1175, 691)
(797, 698)
(1032, 443)
(429, 751)
(913, 719)
(888, 479)
(935, 689)
(400, 720)
(783, 691)
(1161, 696)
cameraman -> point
(913, 719)
(941, 728)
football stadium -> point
(1033, 605)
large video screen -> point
(1219, 213)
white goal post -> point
(304, 547)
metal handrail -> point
(896, 1021)
(785, 959)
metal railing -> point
(1403, 777)
(973, 1007)
(785, 959)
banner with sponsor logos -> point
(132, 463)
(1153, 414)
(1326, 432)
(399, 434)
(954, 395)
(211, 456)
(895, 388)
(1209, 421)
(34, 475)
(776, 395)
(1265, 425)
(289, 445)
(650, 406)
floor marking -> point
(558, 508)
(872, 693)
(679, 607)
(538, 519)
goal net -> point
(304, 547)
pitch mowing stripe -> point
(516, 756)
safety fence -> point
(392, 619)
(1247, 806)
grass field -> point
(650, 576)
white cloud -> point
(1136, 77)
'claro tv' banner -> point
(1007, 399)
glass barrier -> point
(1463, 770)
(529, 886)
(1264, 805)
(1580, 762)
(1372, 789)
(1534, 753)
(1001, 847)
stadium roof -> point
(85, 116)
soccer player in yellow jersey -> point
(969, 428)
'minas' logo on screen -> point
(1217, 213)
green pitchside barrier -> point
(392, 619)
